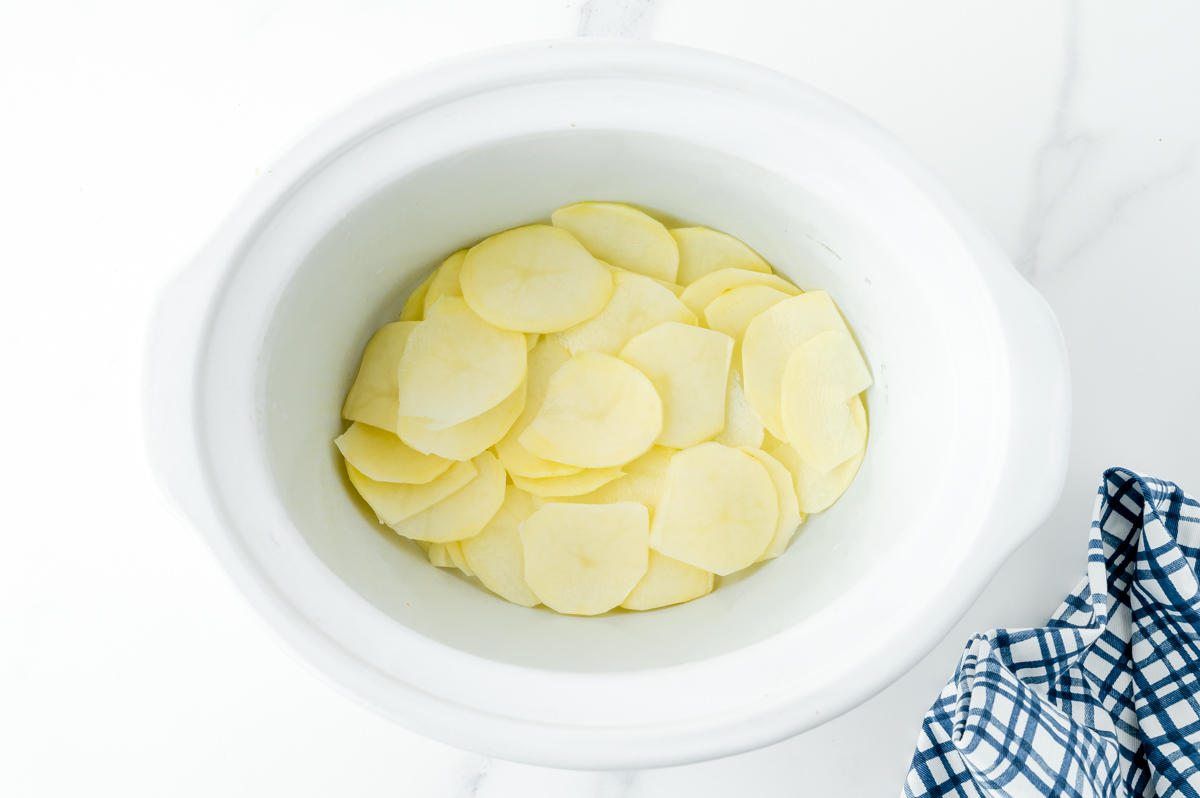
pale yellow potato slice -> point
(816, 491)
(457, 366)
(701, 293)
(689, 367)
(743, 427)
(703, 251)
(374, 397)
(423, 545)
(534, 279)
(732, 311)
(674, 288)
(667, 582)
(414, 306)
(395, 501)
(644, 482)
(586, 481)
(439, 555)
(622, 236)
(496, 554)
(719, 511)
(445, 280)
(638, 304)
(466, 440)
(383, 457)
(545, 359)
(531, 340)
(454, 549)
(770, 340)
(789, 507)
(584, 559)
(463, 513)
(820, 378)
(599, 411)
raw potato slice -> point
(586, 481)
(454, 550)
(531, 340)
(732, 311)
(584, 559)
(638, 304)
(719, 511)
(545, 359)
(644, 482)
(423, 545)
(623, 236)
(463, 513)
(445, 280)
(496, 554)
(675, 289)
(820, 378)
(414, 306)
(599, 412)
(743, 427)
(770, 340)
(703, 251)
(817, 491)
(383, 457)
(466, 440)
(789, 508)
(439, 556)
(666, 582)
(394, 501)
(534, 279)
(373, 396)
(689, 367)
(701, 293)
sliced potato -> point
(703, 251)
(373, 398)
(689, 367)
(644, 482)
(531, 340)
(743, 427)
(445, 280)
(674, 288)
(439, 555)
(423, 545)
(466, 440)
(395, 501)
(383, 457)
(414, 306)
(623, 236)
(638, 304)
(496, 554)
(719, 511)
(701, 293)
(732, 311)
(821, 376)
(463, 513)
(534, 279)
(667, 582)
(586, 481)
(584, 559)
(545, 359)
(770, 340)
(789, 507)
(816, 491)
(599, 411)
(454, 550)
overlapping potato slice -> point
(466, 440)
(814, 490)
(395, 501)
(545, 359)
(439, 555)
(599, 411)
(584, 559)
(674, 288)
(638, 304)
(719, 511)
(383, 457)
(770, 340)
(373, 398)
(534, 279)
(622, 236)
(644, 482)
(463, 513)
(414, 306)
(743, 427)
(531, 340)
(703, 251)
(445, 280)
(732, 311)
(820, 378)
(667, 582)
(496, 554)
(689, 367)
(789, 507)
(454, 550)
(586, 481)
(701, 293)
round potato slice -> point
(395, 501)
(689, 367)
(644, 482)
(701, 293)
(456, 366)
(466, 440)
(816, 491)
(545, 359)
(531, 340)
(414, 306)
(454, 550)
(586, 481)
(373, 398)
(622, 236)
(770, 340)
(789, 508)
(463, 513)
(638, 304)
(439, 555)
(732, 311)
(383, 457)
(445, 280)
(677, 290)
(820, 378)
(584, 559)
(667, 582)
(599, 412)
(496, 554)
(719, 511)
(743, 427)
(534, 279)
(703, 251)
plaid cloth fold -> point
(1105, 700)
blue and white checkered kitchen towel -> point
(1105, 701)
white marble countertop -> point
(129, 666)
